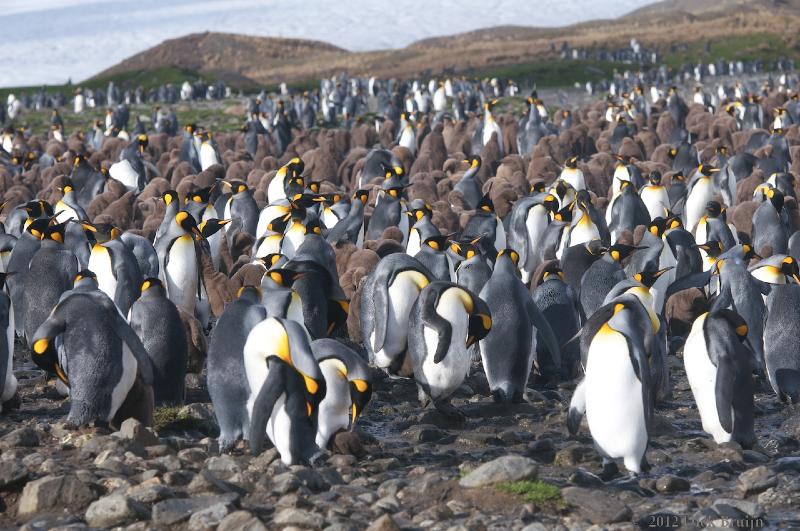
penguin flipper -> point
(270, 391)
(694, 280)
(723, 387)
(53, 326)
(380, 306)
(129, 337)
(577, 407)
(442, 326)
(542, 325)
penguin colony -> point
(586, 244)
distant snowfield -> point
(50, 41)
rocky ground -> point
(406, 468)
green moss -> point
(536, 492)
(165, 416)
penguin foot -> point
(449, 410)
(610, 470)
(15, 402)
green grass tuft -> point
(164, 416)
(536, 492)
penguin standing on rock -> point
(348, 388)
(100, 359)
(227, 380)
(287, 387)
(156, 321)
(616, 393)
(508, 351)
(446, 320)
(717, 360)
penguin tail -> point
(788, 381)
(577, 407)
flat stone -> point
(582, 478)
(134, 430)
(53, 492)
(150, 492)
(597, 506)
(241, 521)
(669, 483)
(12, 473)
(20, 438)
(500, 470)
(749, 508)
(176, 510)
(298, 517)
(572, 455)
(384, 523)
(210, 517)
(756, 480)
(111, 511)
(423, 433)
(223, 466)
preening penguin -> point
(287, 181)
(156, 321)
(286, 386)
(388, 295)
(508, 351)
(227, 379)
(717, 360)
(445, 321)
(348, 388)
(100, 358)
(616, 394)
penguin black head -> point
(199, 196)
(678, 177)
(564, 215)
(236, 187)
(38, 208)
(151, 283)
(511, 253)
(38, 227)
(571, 162)
(313, 187)
(169, 196)
(713, 209)
(561, 188)
(657, 226)
(486, 204)
(648, 278)
(55, 232)
(249, 293)
(424, 211)
(394, 191)
(67, 187)
(360, 394)
(619, 252)
(474, 161)
(279, 224)
(655, 178)
(706, 170)
(550, 202)
(551, 270)
(284, 277)
(722, 150)
(187, 222)
(790, 268)
(749, 252)
(313, 227)
(537, 187)
(480, 317)
(712, 248)
(270, 260)
(211, 226)
(295, 167)
(437, 243)
(84, 274)
(736, 322)
(361, 195)
(775, 197)
(583, 198)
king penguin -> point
(445, 321)
(717, 360)
(468, 186)
(509, 349)
(287, 387)
(9, 399)
(178, 266)
(117, 270)
(156, 321)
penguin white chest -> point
(614, 408)
(334, 410)
(65, 212)
(181, 273)
(535, 225)
(100, 264)
(124, 173)
(443, 378)
(208, 157)
(269, 245)
(573, 176)
(413, 246)
(10, 385)
(402, 294)
(700, 195)
(702, 376)
(295, 236)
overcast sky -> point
(49, 41)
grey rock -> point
(597, 506)
(669, 483)
(572, 455)
(425, 433)
(582, 478)
(502, 469)
(134, 430)
(299, 518)
(210, 517)
(785, 464)
(391, 486)
(111, 511)
(53, 492)
(384, 523)
(150, 492)
(176, 510)
(285, 483)
(223, 466)
(749, 508)
(241, 521)
(20, 438)
(387, 504)
(756, 480)
(12, 473)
